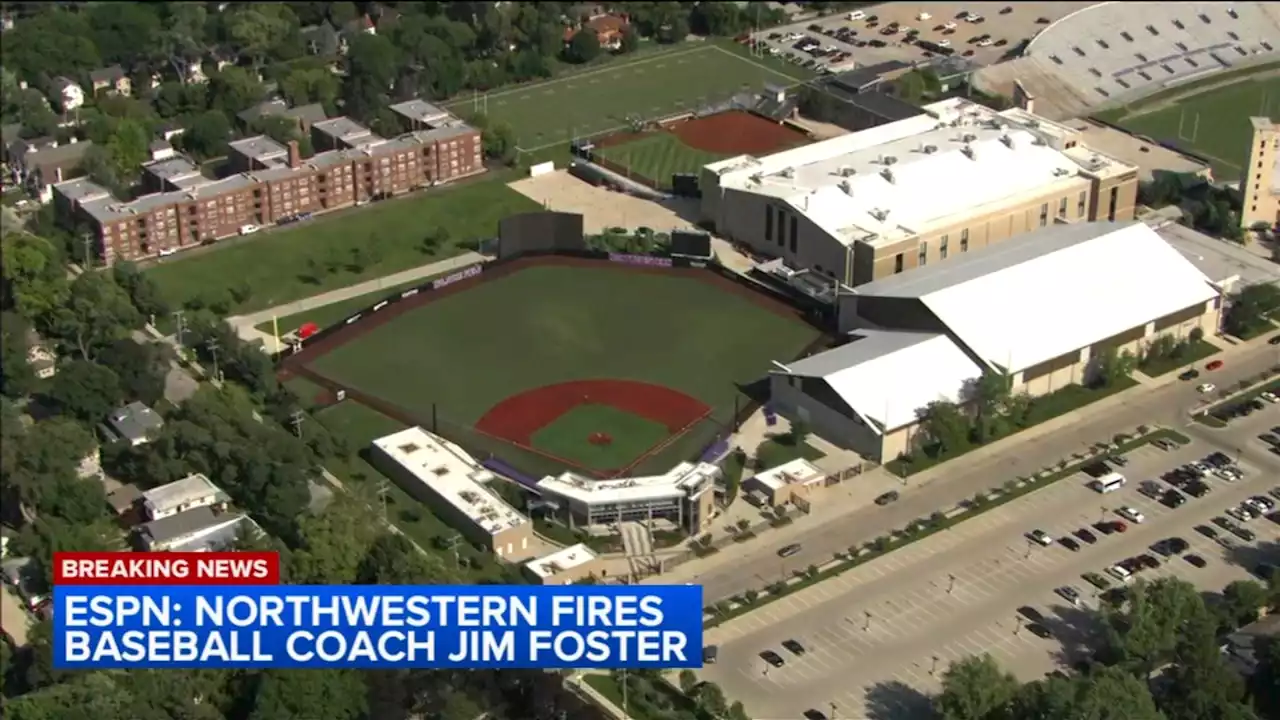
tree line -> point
(1159, 658)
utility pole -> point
(179, 317)
(295, 419)
(212, 345)
(951, 586)
(383, 489)
(453, 542)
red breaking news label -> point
(166, 568)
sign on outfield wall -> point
(542, 169)
(648, 260)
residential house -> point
(65, 94)
(200, 530)
(161, 149)
(324, 40)
(191, 492)
(608, 30)
(43, 162)
(40, 357)
(124, 500)
(304, 115)
(135, 424)
(111, 80)
(170, 129)
(363, 25)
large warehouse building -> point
(915, 192)
(1041, 309)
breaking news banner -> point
(226, 610)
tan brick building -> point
(1259, 182)
(914, 192)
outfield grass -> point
(272, 267)
(1219, 119)
(548, 324)
(658, 156)
(652, 85)
(568, 437)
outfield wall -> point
(711, 440)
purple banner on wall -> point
(462, 274)
(640, 260)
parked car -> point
(1030, 613)
(1096, 580)
(1086, 536)
(1039, 631)
(794, 647)
(789, 550)
(1040, 537)
(1131, 514)
(1191, 374)
(1069, 594)
(887, 498)
(1172, 499)
(1195, 560)
(1215, 365)
(1069, 544)
(773, 658)
(1206, 388)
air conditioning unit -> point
(1007, 140)
(847, 171)
(1061, 172)
(969, 137)
(968, 152)
(847, 187)
(930, 149)
(890, 159)
(887, 174)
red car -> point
(1119, 526)
(1216, 364)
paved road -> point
(872, 634)
(245, 324)
(17, 621)
(757, 564)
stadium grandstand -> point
(1117, 52)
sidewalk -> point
(245, 325)
(859, 492)
(577, 683)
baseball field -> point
(553, 363)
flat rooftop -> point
(794, 472)
(1148, 156)
(181, 492)
(684, 480)
(1223, 262)
(453, 476)
(561, 560)
(421, 111)
(347, 130)
(260, 148)
(965, 158)
(178, 170)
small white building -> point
(193, 491)
(66, 94)
(788, 482)
(566, 566)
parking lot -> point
(876, 639)
(893, 31)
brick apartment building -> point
(272, 183)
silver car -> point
(1070, 594)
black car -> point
(1147, 561)
(789, 550)
(1197, 489)
(772, 658)
(1265, 571)
(1117, 460)
(889, 497)
(1195, 560)
(1030, 613)
(1173, 499)
(1040, 631)
(1243, 533)
(812, 714)
(1070, 544)
(1086, 536)
(1207, 531)
(793, 646)
(1274, 341)
(1106, 528)
(1218, 459)
(1269, 439)
(1189, 375)
(1006, 10)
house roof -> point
(106, 74)
(186, 523)
(190, 489)
(135, 421)
(1022, 302)
(886, 376)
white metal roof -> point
(561, 560)
(793, 472)
(171, 496)
(963, 157)
(684, 480)
(452, 475)
(888, 375)
(1022, 302)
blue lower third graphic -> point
(487, 626)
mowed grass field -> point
(274, 267)
(467, 352)
(658, 156)
(598, 100)
(1213, 123)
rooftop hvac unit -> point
(889, 160)
(887, 174)
(880, 215)
(847, 187)
(1007, 139)
(930, 149)
(848, 171)
(1061, 172)
(787, 173)
(968, 152)
(1039, 141)
(969, 137)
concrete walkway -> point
(246, 325)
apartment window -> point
(1044, 214)
(1080, 202)
(1111, 207)
(782, 228)
(964, 240)
(923, 258)
(1062, 207)
(795, 231)
(942, 248)
(897, 263)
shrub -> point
(811, 571)
(750, 596)
(881, 544)
(777, 588)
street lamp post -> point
(1029, 548)
(833, 711)
(951, 584)
(1018, 627)
(934, 669)
(866, 625)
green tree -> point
(1264, 684)
(97, 312)
(394, 560)
(260, 31)
(309, 694)
(1250, 309)
(235, 89)
(990, 394)
(688, 682)
(630, 39)
(140, 367)
(17, 379)
(207, 135)
(583, 47)
(141, 289)
(310, 85)
(86, 390)
(373, 63)
(34, 281)
(975, 688)
(946, 425)
(1200, 684)
(1242, 601)
(1142, 635)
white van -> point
(1109, 483)
(856, 15)
(248, 229)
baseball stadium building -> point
(447, 479)
(1042, 310)
(916, 192)
(684, 496)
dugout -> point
(540, 232)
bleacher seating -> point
(1117, 50)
